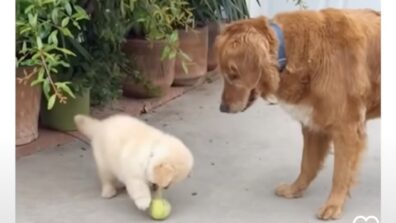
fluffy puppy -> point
(130, 153)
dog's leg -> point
(106, 177)
(140, 193)
(316, 146)
(349, 143)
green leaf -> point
(66, 32)
(52, 37)
(40, 77)
(29, 8)
(26, 29)
(122, 8)
(46, 88)
(80, 15)
(47, 1)
(36, 55)
(68, 8)
(131, 5)
(80, 10)
(172, 54)
(63, 63)
(54, 16)
(165, 52)
(50, 57)
(65, 21)
(51, 102)
(76, 25)
(24, 47)
(19, 23)
(174, 37)
(66, 89)
(39, 43)
(66, 51)
(32, 19)
(35, 82)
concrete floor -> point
(239, 161)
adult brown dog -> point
(330, 84)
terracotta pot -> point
(27, 108)
(222, 25)
(194, 43)
(214, 30)
(158, 75)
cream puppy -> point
(130, 153)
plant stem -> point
(49, 76)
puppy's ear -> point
(163, 174)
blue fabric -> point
(281, 49)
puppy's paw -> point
(108, 191)
(330, 212)
(143, 203)
(288, 191)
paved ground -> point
(239, 161)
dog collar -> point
(281, 48)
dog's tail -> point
(86, 125)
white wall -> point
(271, 7)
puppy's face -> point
(163, 175)
(246, 66)
(170, 167)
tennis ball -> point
(160, 209)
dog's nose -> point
(224, 108)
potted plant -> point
(152, 45)
(194, 43)
(42, 28)
(100, 56)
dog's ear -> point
(163, 174)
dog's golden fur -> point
(331, 84)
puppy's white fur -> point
(131, 153)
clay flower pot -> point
(214, 30)
(157, 75)
(194, 43)
(27, 108)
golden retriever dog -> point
(330, 83)
(130, 153)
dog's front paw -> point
(330, 212)
(108, 191)
(288, 191)
(143, 203)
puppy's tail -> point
(86, 125)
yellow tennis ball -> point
(160, 209)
